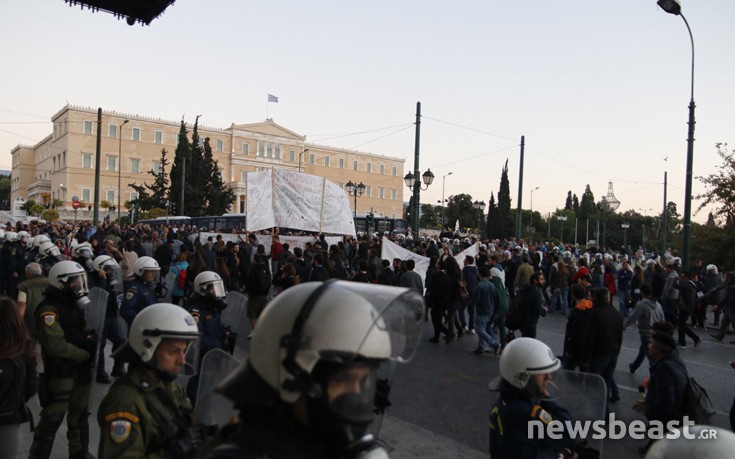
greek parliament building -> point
(62, 165)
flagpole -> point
(267, 107)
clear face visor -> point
(152, 276)
(52, 252)
(215, 289)
(77, 283)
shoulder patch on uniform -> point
(49, 318)
(542, 415)
(195, 315)
(129, 295)
(120, 430)
(122, 414)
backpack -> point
(264, 279)
(697, 405)
(12, 387)
(181, 279)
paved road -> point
(441, 400)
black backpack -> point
(697, 405)
(12, 387)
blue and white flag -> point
(272, 98)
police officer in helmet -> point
(68, 350)
(146, 413)
(308, 389)
(142, 291)
(526, 367)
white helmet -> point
(207, 280)
(82, 250)
(49, 250)
(24, 234)
(524, 357)
(103, 261)
(71, 276)
(455, 242)
(712, 268)
(11, 236)
(704, 441)
(309, 323)
(144, 264)
(158, 322)
(39, 240)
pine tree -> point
(575, 203)
(492, 220)
(217, 195)
(588, 207)
(196, 175)
(504, 217)
(182, 158)
(568, 204)
(154, 195)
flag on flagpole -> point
(272, 98)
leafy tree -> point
(721, 187)
(568, 204)
(711, 220)
(504, 217)
(37, 209)
(408, 212)
(154, 195)
(28, 205)
(105, 204)
(50, 215)
(460, 208)
(430, 216)
(5, 191)
(587, 207)
(56, 203)
(492, 220)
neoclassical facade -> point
(62, 165)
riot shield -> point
(584, 395)
(115, 278)
(191, 363)
(94, 316)
(211, 407)
(232, 318)
(168, 285)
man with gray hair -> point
(30, 294)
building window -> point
(382, 169)
(326, 161)
(112, 163)
(136, 134)
(86, 160)
(86, 193)
(261, 149)
(220, 145)
(88, 127)
(395, 171)
(393, 194)
(369, 167)
(392, 215)
(158, 137)
(312, 158)
(111, 196)
(381, 192)
(243, 176)
(292, 156)
(63, 157)
(354, 165)
(369, 191)
(156, 167)
(245, 148)
(341, 163)
(135, 166)
(112, 131)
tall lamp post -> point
(674, 7)
(480, 206)
(530, 223)
(119, 168)
(356, 191)
(444, 177)
(625, 227)
(562, 219)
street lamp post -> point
(674, 7)
(480, 206)
(444, 177)
(562, 219)
(412, 180)
(530, 222)
(119, 168)
(356, 191)
(625, 227)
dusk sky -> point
(599, 89)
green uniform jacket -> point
(134, 422)
(61, 332)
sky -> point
(600, 90)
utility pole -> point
(520, 191)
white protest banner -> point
(391, 250)
(259, 201)
(471, 251)
(298, 202)
(336, 212)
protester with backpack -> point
(18, 376)
(179, 269)
(258, 288)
